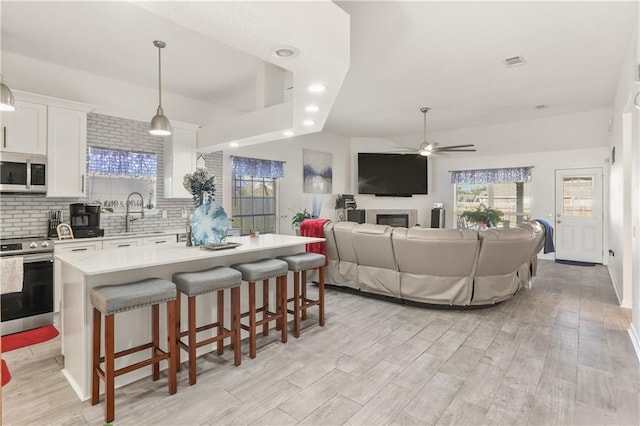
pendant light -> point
(159, 123)
(7, 102)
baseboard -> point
(621, 302)
(635, 340)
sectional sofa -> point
(433, 266)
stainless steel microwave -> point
(23, 173)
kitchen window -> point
(254, 194)
(114, 174)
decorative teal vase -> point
(209, 224)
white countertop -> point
(123, 259)
(135, 234)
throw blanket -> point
(548, 236)
(315, 228)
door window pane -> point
(577, 196)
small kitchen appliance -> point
(85, 220)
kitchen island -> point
(81, 271)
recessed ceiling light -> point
(311, 108)
(317, 88)
(514, 61)
(285, 52)
(234, 144)
(288, 133)
(308, 123)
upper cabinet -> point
(54, 127)
(67, 152)
(25, 129)
(180, 150)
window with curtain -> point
(506, 189)
(254, 195)
(115, 173)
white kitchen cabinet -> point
(79, 246)
(25, 129)
(65, 246)
(180, 151)
(121, 243)
(155, 240)
(67, 152)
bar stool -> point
(193, 284)
(109, 300)
(301, 263)
(264, 270)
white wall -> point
(112, 97)
(622, 184)
(521, 140)
(580, 130)
(625, 187)
(291, 196)
(543, 177)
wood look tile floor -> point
(557, 353)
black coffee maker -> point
(85, 220)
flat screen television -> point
(397, 175)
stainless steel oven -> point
(33, 306)
(23, 173)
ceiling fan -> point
(429, 148)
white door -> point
(579, 215)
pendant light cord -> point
(159, 77)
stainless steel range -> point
(33, 306)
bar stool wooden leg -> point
(109, 370)
(173, 347)
(177, 330)
(220, 309)
(252, 319)
(321, 295)
(95, 380)
(304, 293)
(283, 304)
(283, 319)
(155, 338)
(192, 340)
(296, 304)
(235, 324)
(265, 306)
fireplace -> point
(400, 220)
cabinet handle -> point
(82, 183)
(80, 249)
(4, 136)
(124, 245)
(160, 242)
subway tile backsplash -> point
(26, 215)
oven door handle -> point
(38, 258)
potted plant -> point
(483, 216)
(298, 218)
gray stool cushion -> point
(219, 278)
(303, 261)
(110, 299)
(262, 269)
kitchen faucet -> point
(127, 217)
